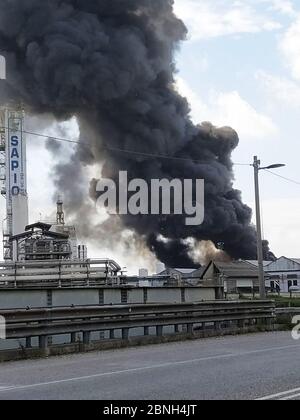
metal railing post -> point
(28, 343)
(125, 333)
(43, 342)
(15, 279)
(159, 330)
(190, 328)
(59, 276)
(86, 337)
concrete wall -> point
(23, 298)
(136, 296)
(163, 295)
(197, 294)
(62, 297)
(10, 299)
(112, 296)
(75, 297)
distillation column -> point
(13, 177)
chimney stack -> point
(60, 215)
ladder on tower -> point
(7, 225)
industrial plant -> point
(40, 252)
(21, 241)
(150, 145)
(47, 255)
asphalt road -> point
(241, 367)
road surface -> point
(241, 367)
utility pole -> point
(261, 273)
(260, 256)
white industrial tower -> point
(13, 177)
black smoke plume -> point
(111, 64)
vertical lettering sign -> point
(15, 135)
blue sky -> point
(240, 66)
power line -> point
(115, 149)
(283, 177)
(54, 138)
(242, 164)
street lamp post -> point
(257, 168)
(261, 273)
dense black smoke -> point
(268, 254)
(110, 63)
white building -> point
(284, 272)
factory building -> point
(43, 241)
(241, 277)
(285, 273)
(38, 242)
(22, 241)
(236, 277)
(13, 177)
(46, 256)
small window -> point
(49, 298)
(272, 285)
(145, 295)
(101, 297)
(295, 283)
(124, 296)
(182, 295)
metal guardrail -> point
(287, 310)
(59, 274)
(46, 322)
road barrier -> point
(45, 323)
(285, 316)
(287, 311)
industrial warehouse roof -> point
(39, 225)
(255, 262)
(185, 270)
(30, 232)
(21, 236)
(284, 264)
(49, 234)
(235, 269)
